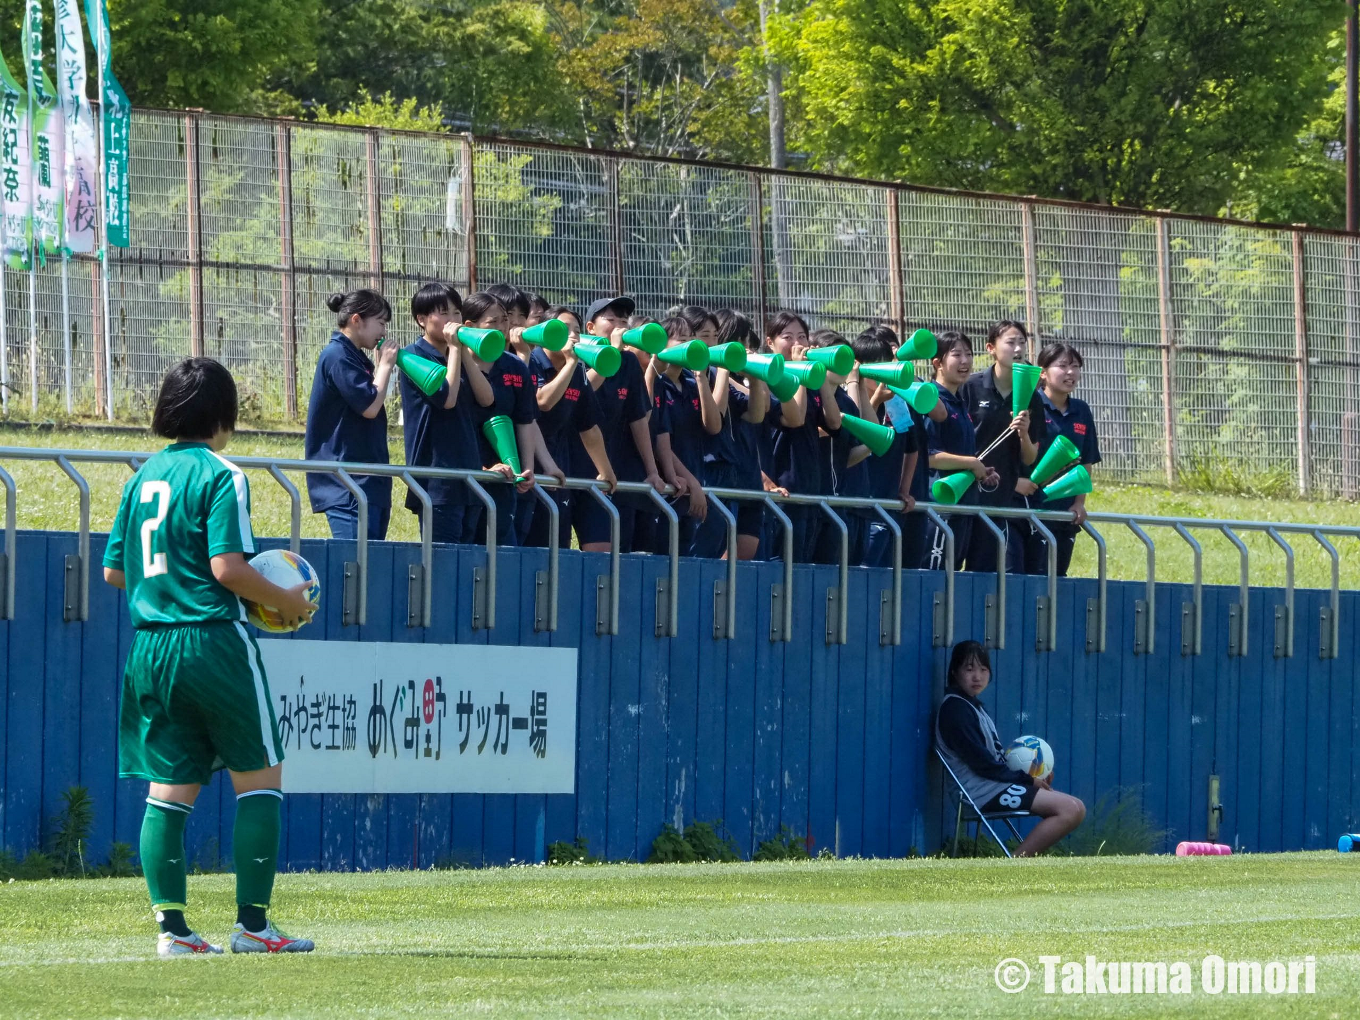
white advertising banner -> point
(405, 718)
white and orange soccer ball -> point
(285, 569)
(1032, 755)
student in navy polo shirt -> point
(624, 410)
(732, 454)
(516, 305)
(952, 443)
(346, 416)
(1069, 416)
(987, 395)
(512, 391)
(889, 475)
(845, 459)
(568, 417)
(794, 431)
(441, 430)
(679, 396)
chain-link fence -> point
(1212, 348)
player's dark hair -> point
(197, 398)
(965, 653)
(877, 343)
(696, 315)
(557, 310)
(677, 328)
(733, 327)
(434, 297)
(638, 319)
(997, 328)
(538, 304)
(825, 338)
(479, 304)
(950, 340)
(512, 299)
(1058, 351)
(365, 303)
(781, 321)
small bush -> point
(699, 842)
(72, 832)
(671, 847)
(1117, 825)
(784, 847)
(563, 852)
(122, 863)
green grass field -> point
(48, 500)
(916, 938)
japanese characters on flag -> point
(115, 114)
(48, 141)
(81, 167)
(16, 170)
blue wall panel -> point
(831, 741)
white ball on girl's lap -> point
(1031, 755)
(286, 569)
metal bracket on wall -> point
(415, 594)
(1236, 620)
(542, 595)
(349, 597)
(720, 611)
(479, 590)
(990, 627)
(833, 616)
(1326, 643)
(663, 607)
(602, 603)
(1043, 606)
(886, 618)
(1284, 621)
(938, 637)
(1141, 622)
(70, 602)
(1189, 625)
(1095, 631)
(777, 613)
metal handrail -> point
(345, 472)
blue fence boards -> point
(831, 741)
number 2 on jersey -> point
(154, 563)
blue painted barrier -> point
(831, 741)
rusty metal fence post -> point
(374, 196)
(1168, 349)
(1030, 247)
(1301, 353)
(470, 210)
(610, 167)
(757, 209)
(897, 295)
(288, 283)
(194, 219)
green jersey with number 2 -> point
(183, 506)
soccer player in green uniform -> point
(195, 697)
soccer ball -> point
(1032, 755)
(285, 569)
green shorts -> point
(195, 700)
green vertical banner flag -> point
(116, 115)
(81, 170)
(16, 170)
(48, 141)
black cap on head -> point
(623, 305)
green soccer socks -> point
(256, 849)
(162, 854)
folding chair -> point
(975, 815)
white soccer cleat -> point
(170, 944)
(271, 940)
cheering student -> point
(794, 427)
(952, 443)
(967, 738)
(346, 416)
(1068, 416)
(195, 696)
(568, 417)
(845, 459)
(512, 392)
(441, 430)
(679, 396)
(732, 454)
(538, 308)
(624, 410)
(516, 305)
(987, 395)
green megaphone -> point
(768, 368)
(731, 356)
(1058, 456)
(691, 354)
(550, 334)
(487, 344)
(894, 373)
(500, 433)
(1076, 482)
(426, 374)
(949, 489)
(811, 374)
(650, 337)
(785, 389)
(839, 358)
(922, 396)
(599, 354)
(920, 346)
(1024, 381)
(878, 438)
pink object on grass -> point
(1187, 849)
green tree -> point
(1140, 102)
